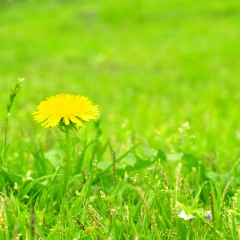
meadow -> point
(163, 160)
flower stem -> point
(67, 160)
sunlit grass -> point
(163, 161)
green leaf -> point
(54, 156)
(146, 153)
(104, 165)
(190, 161)
(128, 161)
(174, 157)
(10, 176)
(161, 155)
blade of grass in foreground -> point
(12, 97)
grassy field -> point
(165, 75)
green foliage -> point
(165, 75)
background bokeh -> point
(150, 65)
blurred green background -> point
(150, 65)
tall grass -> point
(166, 77)
(135, 194)
(12, 96)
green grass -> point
(151, 66)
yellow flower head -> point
(65, 109)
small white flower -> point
(185, 216)
(186, 125)
(180, 130)
(208, 216)
(113, 212)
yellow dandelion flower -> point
(65, 109)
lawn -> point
(165, 75)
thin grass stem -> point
(13, 94)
